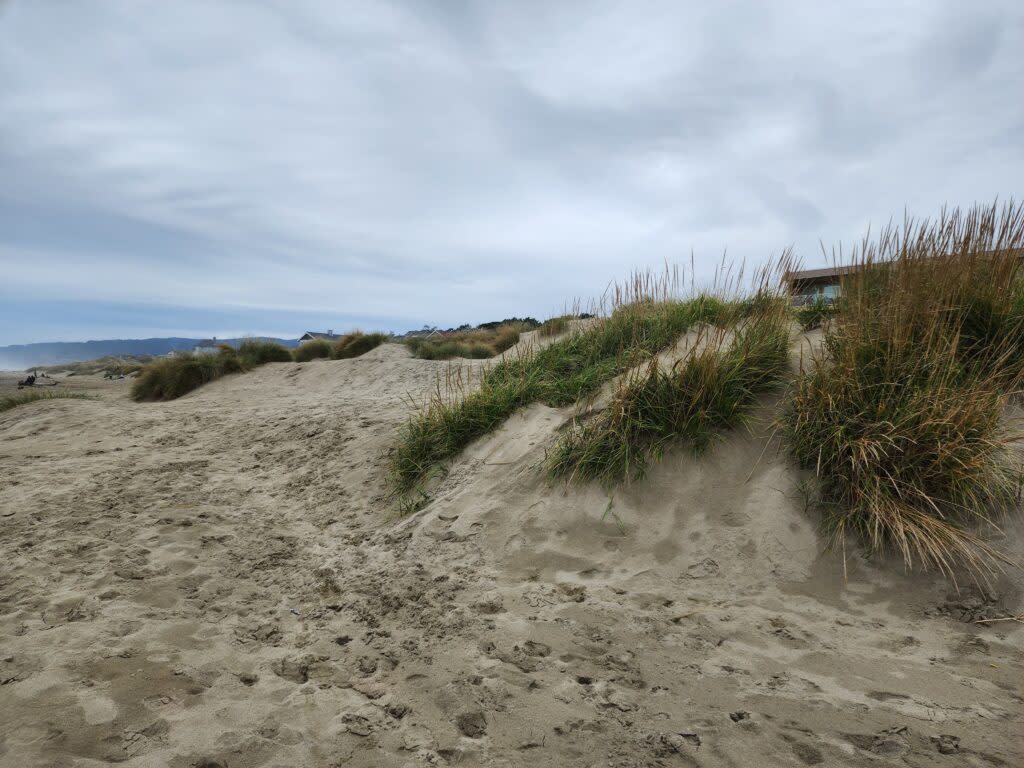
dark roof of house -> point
(318, 335)
(207, 343)
(818, 274)
(826, 273)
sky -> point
(220, 167)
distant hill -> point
(21, 356)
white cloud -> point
(453, 162)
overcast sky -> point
(203, 167)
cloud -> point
(413, 162)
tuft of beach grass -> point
(901, 412)
(35, 395)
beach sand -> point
(220, 581)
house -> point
(810, 285)
(310, 335)
(207, 347)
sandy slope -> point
(215, 582)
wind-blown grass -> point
(476, 343)
(441, 349)
(254, 352)
(313, 349)
(813, 315)
(171, 377)
(900, 414)
(108, 365)
(356, 344)
(505, 337)
(559, 374)
(646, 320)
(34, 395)
(555, 326)
(713, 387)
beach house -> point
(809, 285)
(310, 335)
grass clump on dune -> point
(254, 352)
(108, 365)
(713, 387)
(444, 426)
(646, 320)
(563, 372)
(505, 337)
(555, 326)
(356, 343)
(767, 299)
(440, 349)
(33, 395)
(314, 349)
(814, 314)
(713, 310)
(171, 377)
(900, 415)
(476, 343)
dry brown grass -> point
(314, 349)
(476, 343)
(356, 343)
(35, 395)
(555, 326)
(901, 413)
(171, 377)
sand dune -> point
(219, 581)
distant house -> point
(810, 285)
(207, 347)
(310, 335)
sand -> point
(219, 581)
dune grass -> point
(555, 326)
(442, 349)
(900, 414)
(646, 319)
(356, 343)
(171, 377)
(35, 395)
(505, 337)
(813, 315)
(255, 352)
(108, 365)
(559, 374)
(712, 388)
(314, 349)
(479, 343)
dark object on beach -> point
(28, 381)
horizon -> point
(235, 335)
(399, 165)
